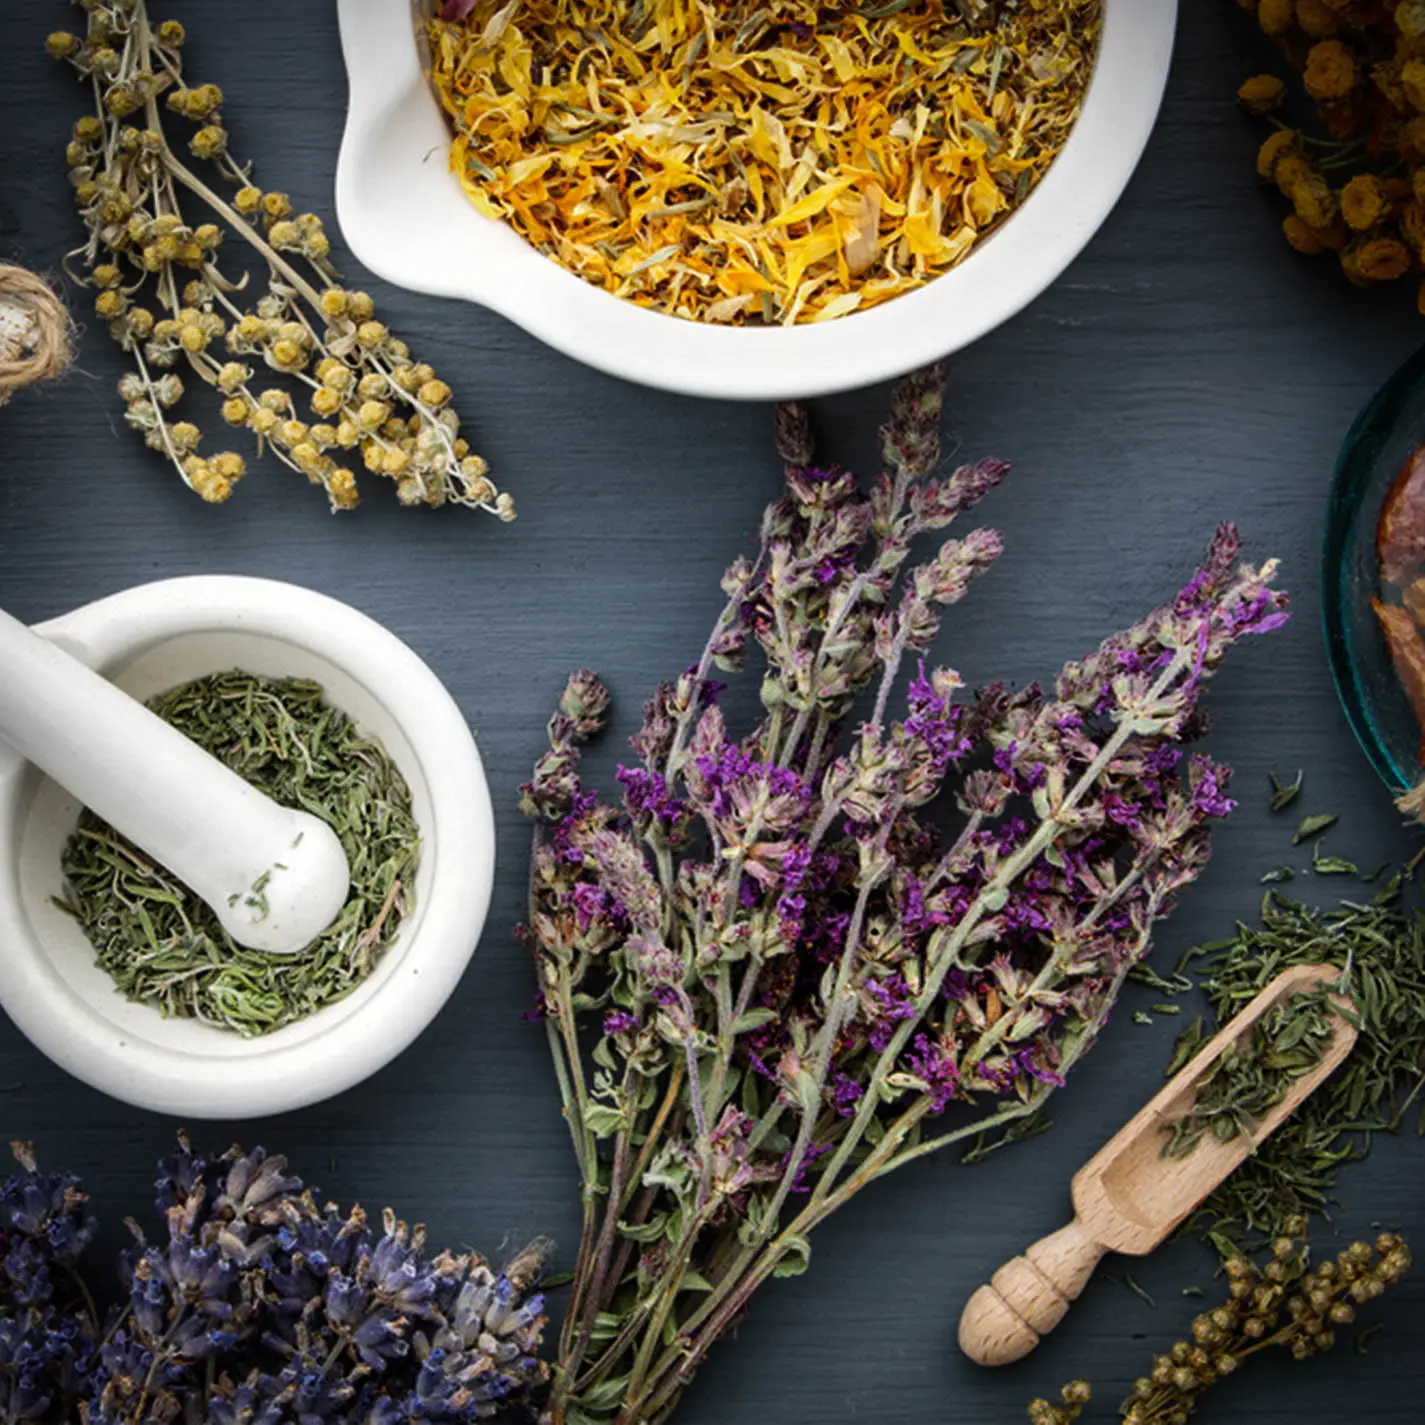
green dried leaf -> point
(1330, 865)
(796, 1259)
(1310, 826)
(1284, 793)
(602, 1120)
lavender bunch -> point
(259, 1306)
(789, 963)
(47, 1338)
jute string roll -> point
(35, 331)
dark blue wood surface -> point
(1186, 369)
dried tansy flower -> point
(1357, 193)
(174, 297)
(1262, 93)
(255, 1306)
(1285, 1303)
(745, 162)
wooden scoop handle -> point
(1027, 1298)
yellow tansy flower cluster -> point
(306, 369)
(1360, 193)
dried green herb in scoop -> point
(163, 946)
(1380, 947)
(1252, 1076)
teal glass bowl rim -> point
(1355, 467)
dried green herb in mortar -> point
(1381, 948)
(163, 946)
(1252, 1076)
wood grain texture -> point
(1186, 369)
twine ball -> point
(35, 331)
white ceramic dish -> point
(405, 217)
(148, 639)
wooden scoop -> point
(1129, 1197)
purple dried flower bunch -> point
(789, 963)
(260, 1306)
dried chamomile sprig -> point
(1287, 1303)
(306, 367)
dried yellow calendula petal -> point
(744, 162)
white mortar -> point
(147, 640)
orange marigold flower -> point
(1317, 18)
(1277, 146)
(1331, 71)
(1412, 224)
(1412, 80)
(1334, 236)
(1314, 201)
(1410, 140)
(1275, 16)
(1301, 237)
(1291, 170)
(1261, 94)
(1375, 260)
(1363, 202)
(1410, 19)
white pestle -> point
(276, 878)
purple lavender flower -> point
(647, 798)
(930, 1062)
(1209, 780)
(801, 1178)
(846, 1093)
(620, 1021)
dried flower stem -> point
(366, 393)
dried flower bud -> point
(232, 375)
(286, 355)
(168, 389)
(326, 401)
(341, 486)
(121, 100)
(372, 414)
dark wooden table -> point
(1186, 369)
